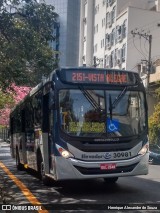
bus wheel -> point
(18, 164)
(111, 180)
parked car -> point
(154, 154)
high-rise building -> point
(69, 16)
(106, 33)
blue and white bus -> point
(83, 123)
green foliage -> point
(154, 121)
(6, 99)
(26, 28)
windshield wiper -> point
(116, 101)
(90, 99)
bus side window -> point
(45, 122)
(38, 110)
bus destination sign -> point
(100, 77)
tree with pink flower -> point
(9, 99)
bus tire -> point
(41, 172)
(18, 164)
(111, 180)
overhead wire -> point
(138, 49)
(134, 67)
(141, 47)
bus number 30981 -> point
(122, 154)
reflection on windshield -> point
(87, 113)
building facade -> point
(111, 32)
(68, 45)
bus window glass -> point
(29, 115)
(128, 114)
(37, 106)
(83, 112)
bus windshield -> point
(95, 113)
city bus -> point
(83, 123)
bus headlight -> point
(144, 149)
(64, 153)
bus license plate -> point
(108, 166)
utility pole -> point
(149, 61)
(149, 39)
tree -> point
(11, 98)
(154, 124)
(6, 99)
(26, 28)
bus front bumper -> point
(76, 169)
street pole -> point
(149, 38)
(149, 62)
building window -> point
(119, 56)
(108, 41)
(106, 61)
(113, 13)
(119, 35)
(113, 37)
(115, 57)
(112, 59)
(85, 20)
(108, 20)
(109, 3)
(124, 53)
(124, 28)
(96, 9)
(103, 22)
(102, 43)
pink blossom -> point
(19, 92)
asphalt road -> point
(90, 195)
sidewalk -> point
(4, 144)
(6, 194)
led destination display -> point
(100, 76)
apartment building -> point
(68, 32)
(113, 44)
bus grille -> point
(95, 171)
